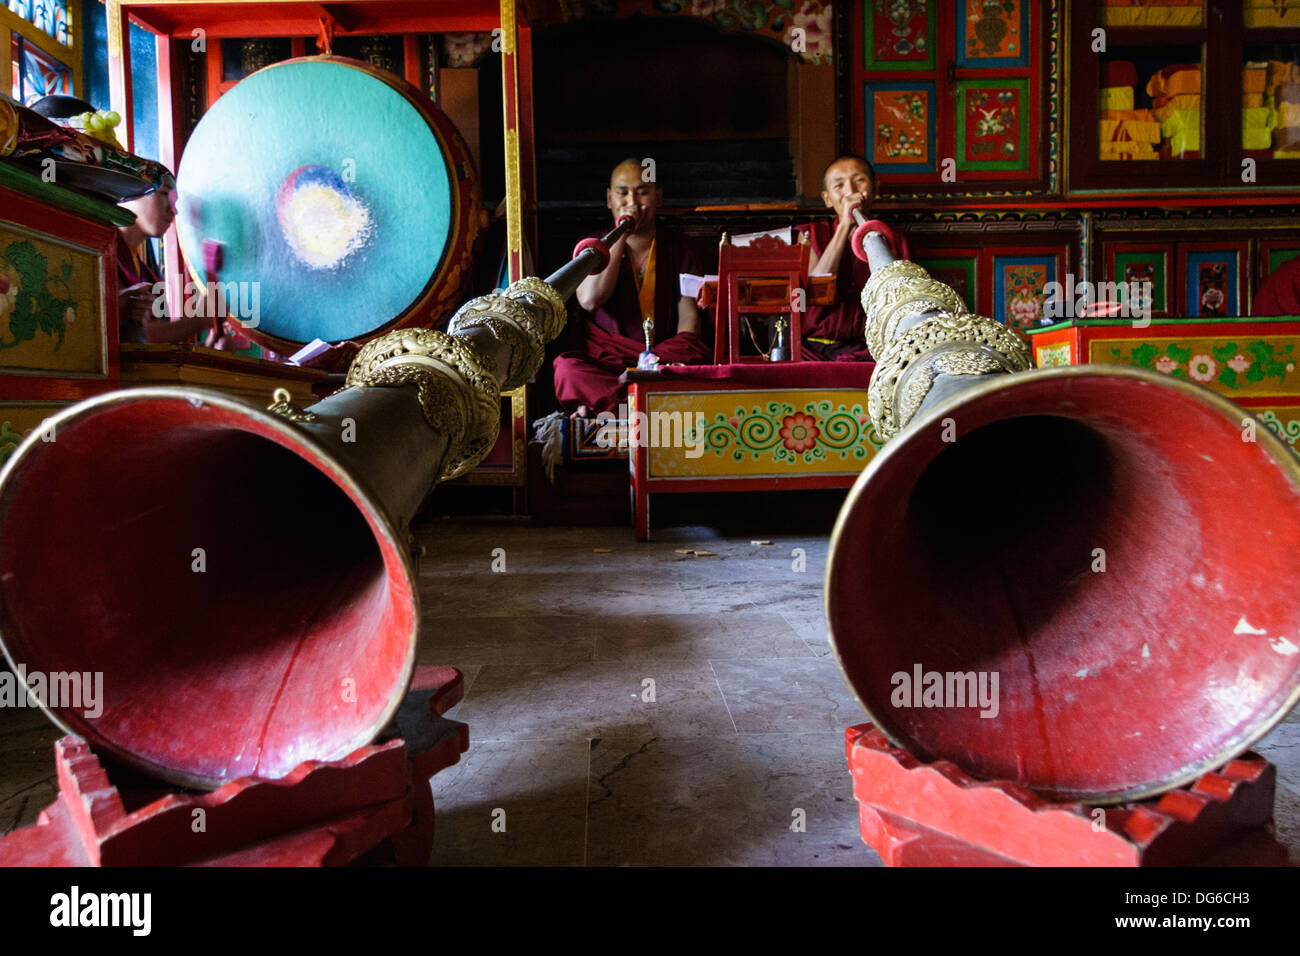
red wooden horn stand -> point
(932, 814)
(376, 803)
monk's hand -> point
(855, 201)
(136, 302)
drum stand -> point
(375, 803)
(932, 814)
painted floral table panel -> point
(790, 432)
(1239, 367)
(51, 306)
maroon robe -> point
(610, 339)
(1280, 293)
(842, 322)
(130, 330)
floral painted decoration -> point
(31, 297)
(785, 434)
(1231, 365)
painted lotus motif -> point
(799, 432)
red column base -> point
(321, 814)
(933, 814)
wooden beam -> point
(119, 70)
(510, 122)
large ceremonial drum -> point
(343, 202)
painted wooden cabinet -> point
(58, 302)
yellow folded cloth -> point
(1127, 151)
(1184, 101)
(1282, 72)
(1141, 116)
(1288, 114)
(1283, 154)
(1256, 138)
(1271, 13)
(1263, 118)
(1182, 131)
(1171, 15)
(1117, 97)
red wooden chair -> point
(766, 258)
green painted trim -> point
(1190, 320)
(29, 184)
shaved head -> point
(629, 165)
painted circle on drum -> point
(322, 222)
(328, 188)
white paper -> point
(690, 285)
(309, 351)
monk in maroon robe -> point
(641, 280)
(1280, 293)
(834, 332)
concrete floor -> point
(569, 762)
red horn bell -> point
(1113, 544)
(249, 601)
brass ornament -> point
(458, 390)
(966, 362)
(884, 284)
(283, 406)
(982, 345)
(546, 303)
(913, 297)
(512, 322)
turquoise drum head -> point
(338, 197)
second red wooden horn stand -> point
(376, 803)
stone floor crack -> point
(621, 765)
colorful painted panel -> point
(993, 125)
(1018, 288)
(900, 127)
(992, 33)
(1211, 284)
(1238, 367)
(36, 73)
(51, 306)
(1146, 265)
(758, 433)
(899, 35)
(960, 273)
(1048, 356)
(49, 16)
